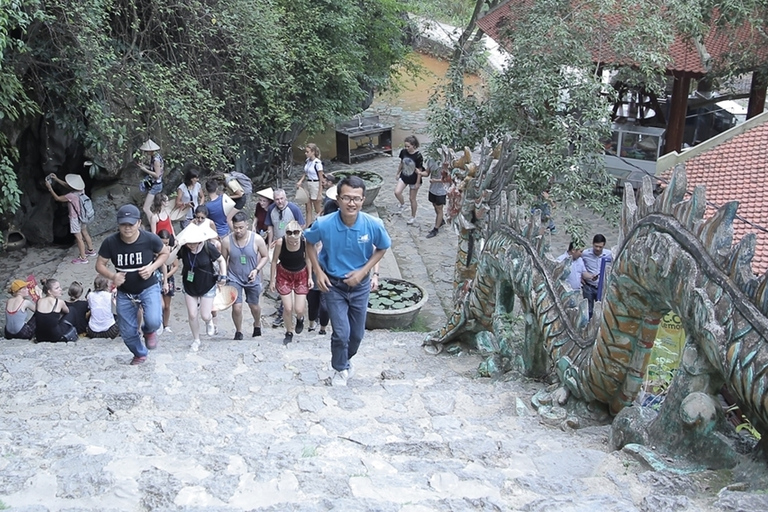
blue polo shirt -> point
(346, 249)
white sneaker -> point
(160, 330)
(350, 371)
(210, 329)
(167, 330)
(195, 346)
(339, 378)
(401, 208)
(411, 220)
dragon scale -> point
(668, 258)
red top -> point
(164, 225)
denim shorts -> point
(251, 292)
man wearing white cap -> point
(136, 255)
(76, 227)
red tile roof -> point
(735, 167)
(719, 42)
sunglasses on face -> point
(293, 233)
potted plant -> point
(372, 181)
(395, 304)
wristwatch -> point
(222, 278)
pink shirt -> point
(74, 204)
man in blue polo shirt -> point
(353, 243)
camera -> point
(49, 180)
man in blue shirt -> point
(353, 243)
(593, 259)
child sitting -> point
(78, 309)
(102, 322)
(16, 324)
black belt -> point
(311, 180)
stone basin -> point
(373, 182)
(400, 318)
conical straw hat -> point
(225, 296)
(195, 233)
(149, 146)
(301, 196)
(75, 181)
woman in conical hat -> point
(200, 277)
(78, 228)
(264, 199)
(155, 172)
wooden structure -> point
(690, 60)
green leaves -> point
(202, 77)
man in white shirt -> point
(593, 259)
(577, 265)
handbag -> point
(69, 333)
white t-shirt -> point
(577, 268)
(101, 311)
(190, 195)
(311, 167)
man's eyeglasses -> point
(351, 199)
(293, 233)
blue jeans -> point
(127, 310)
(347, 308)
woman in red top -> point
(159, 220)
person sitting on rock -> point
(16, 324)
(49, 315)
(102, 323)
(78, 309)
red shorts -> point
(287, 281)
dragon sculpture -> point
(668, 257)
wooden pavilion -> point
(689, 60)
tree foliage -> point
(205, 78)
(15, 16)
(551, 95)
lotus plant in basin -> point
(395, 304)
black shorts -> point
(240, 202)
(436, 200)
(411, 179)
